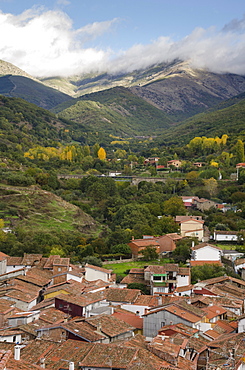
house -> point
(166, 278)
(7, 308)
(226, 236)
(3, 263)
(74, 305)
(174, 162)
(232, 254)
(239, 265)
(138, 245)
(78, 331)
(241, 324)
(205, 253)
(203, 204)
(163, 244)
(118, 296)
(168, 242)
(191, 226)
(156, 318)
(22, 318)
(95, 272)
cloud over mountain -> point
(45, 43)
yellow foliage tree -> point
(101, 153)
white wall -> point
(207, 254)
(92, 274)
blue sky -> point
(65, 37)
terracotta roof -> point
(98, 268)
(122, 295)
(81, 301)
(109, 325)
(183, 288)
(212, 334)
(130, 318)
(180, 328)
(183, 313)
(52, 315)
(44, 304)
(182, 219)
(30, 259)
(6, 306)
(14, 261)
(168, 267)
(203, 245)
(147, 300)
(214, 311)
(144, 242)
(70, 350)
(21, 296)
(200, 263)
(35, 350)
(129, 279)
(137, 271)
(3, 256)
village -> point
(58, 315)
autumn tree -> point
(211, 186)
(101, 154)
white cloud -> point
(220, 52)
(44, 43)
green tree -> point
(205, 272)
(174, 206)
(121, 248)
(149, 253)
(91, 260)
(239, 151)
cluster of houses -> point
(60, 316)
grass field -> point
(121, 268)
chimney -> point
(42, 363)
(17, 352)
(132, 237)
(71, 366)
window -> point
(162, 324)
(157, 278)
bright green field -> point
(120, 268)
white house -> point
(94, 273)
(241, 324)
(22, 318)
(225, 236)
(205, 253)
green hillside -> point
(32, 91)
(229, 120)
(117, 112)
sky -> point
(69, 37)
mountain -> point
(184, 91)
(176, 88)
(16, 83)
(116, 112)
(226, 118)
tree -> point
(182, 251)
(101, 154)
(239, 151)
(144, 289)
(174, 206)
(91, 260)
(121, 248)
(206, 271)
(211, 186)
(149, 253)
